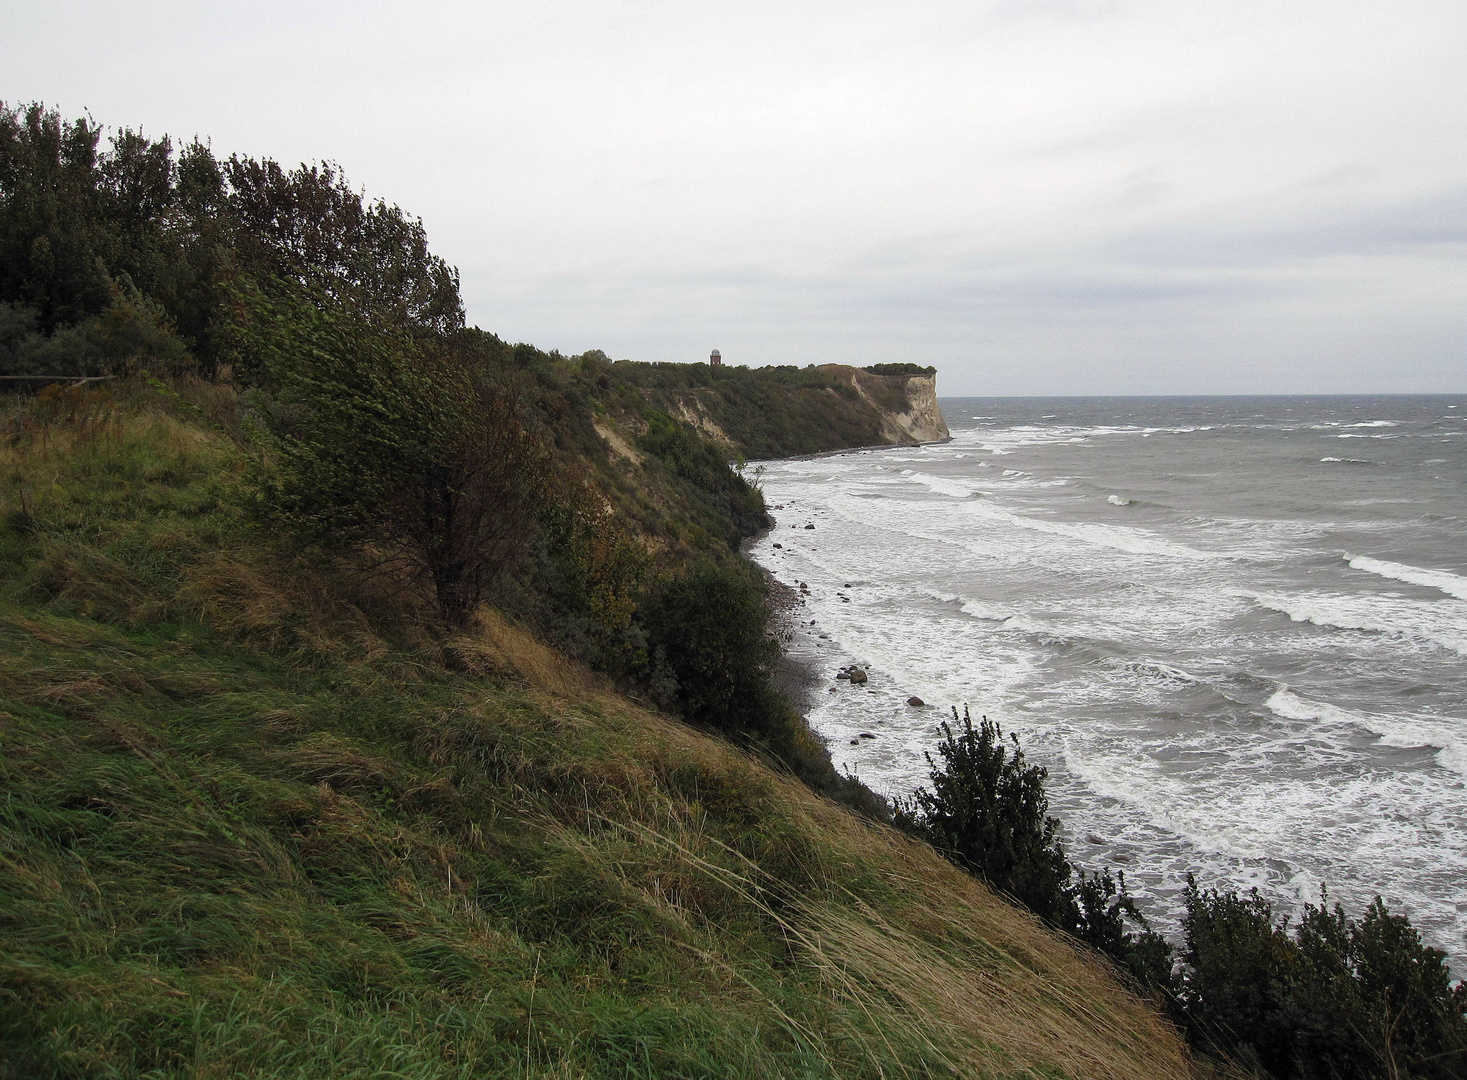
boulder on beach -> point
(915, 701)
(843, 675)
(809, 526)
(858, 676)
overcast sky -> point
(1037, 196)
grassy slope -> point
(254, 824)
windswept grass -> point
(255, 823)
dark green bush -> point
(988, 813)
(706, 627)
(132, 334)
(1098, 910)
(1340, 999)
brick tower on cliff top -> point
(715, 358)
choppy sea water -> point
(1233, 629)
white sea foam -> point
(1115, 537)
(943, 486)
(1285, 703)
(1405, 620)
(1447, 582)
(1447, 735)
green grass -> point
(259, 819)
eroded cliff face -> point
(919, 422)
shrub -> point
(378, 440)
(988, 813)
(706, 627)
(1340, 999)
(132, 334)
(1097, 910)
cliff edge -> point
(919, 422)
(774, 412)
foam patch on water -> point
(1447, 582)
(943, 486)
(1399, 618)
(1447, 735)
(1116, 537)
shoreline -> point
(855, 450)
(798, 677)
(799, 673)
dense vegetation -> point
(1339, 999)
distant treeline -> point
(900, 369)
(780, 410)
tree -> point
(54, 226)
(379, 441)
(308, 226)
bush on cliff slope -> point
(376, 440)
(1341, 999)
(988, 812)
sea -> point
(1232, 629)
